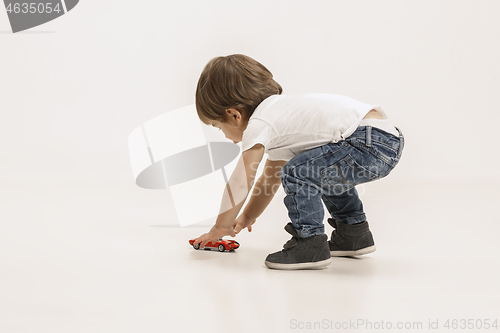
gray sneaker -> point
(350, 240)
(301, 253)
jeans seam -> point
(360, 168)
(401, 146)
(386, 145)
(380, 143)
(355, 218)
(314, 159)
(374, 153)
(350, 161)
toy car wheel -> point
(196, 246)
(221, 248)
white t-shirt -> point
(289, 125)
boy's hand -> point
(213, 235)
(243, 222)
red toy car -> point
(221, 245)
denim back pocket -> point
(386, 150)
(348, 173)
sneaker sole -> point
(359, 252)
(304, 265)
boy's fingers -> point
(249, 228)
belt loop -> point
(401, 143)
(368, 136)
(399, 131)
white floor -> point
(109, 259)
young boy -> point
(319, 146)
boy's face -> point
(234, 125)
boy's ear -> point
(234, 113)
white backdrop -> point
(83, 249)
(73, 89)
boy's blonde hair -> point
(235, 81)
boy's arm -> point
(265, 189)
(235, 194)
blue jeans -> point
(331, 172)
